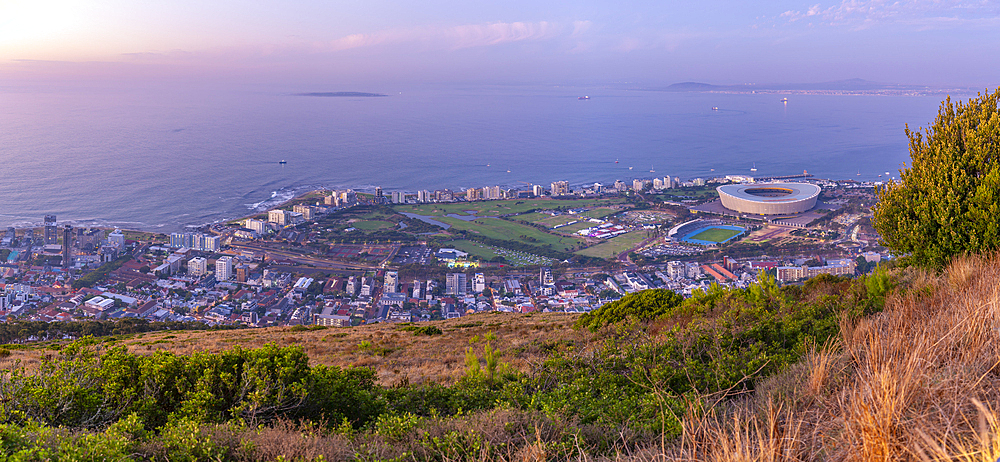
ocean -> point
(162, 158)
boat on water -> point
(754, 168)
(651, 169)
(616, 161)
(282, 162)
(715, 108)
(584, 97)
(784, 100)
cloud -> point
(868, 12)
(461, 36)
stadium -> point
(769, 199)
(705, 232)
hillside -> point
(898, 365)
(394, 351)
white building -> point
(279, 217)
(224, 268)
(478, 283)
(391, 283)
(197, 266)
(117, 238)
(259, 226)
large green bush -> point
(948, 200)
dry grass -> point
(907, 384)
(398, 356)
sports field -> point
(713, 235)
(716, 234)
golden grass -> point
(397, 356)
(908, 384)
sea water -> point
(163, 158)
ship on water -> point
(584, 97)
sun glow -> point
(30, 27)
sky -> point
(641, 42)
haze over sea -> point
(163, 158)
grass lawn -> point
(615, 245)
(472, 248)
(493, 208)
(716, 234)
(369, 225)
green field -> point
(715, 234)
(497, 228)
(472, 248)
(493, 208)
(513, 257)
(615, 246)
(369, 225)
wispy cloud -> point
(462, 36)
(919, 12)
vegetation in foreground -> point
(656, 359)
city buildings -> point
(424, 196)
(197, 266)
(278, 217)
(67, 245)
(224, 268)
(455, 284)
(117, 238)
(51, 232)
(391, 282)
(560, 188)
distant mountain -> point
(335, 94)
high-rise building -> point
(444, 195)
(398, 197)
(638, 185)
(212, 244)
(473, 194)
(657, 184)
(668, 183)
(258, 226)
(279, 217)
(67, 245)
(698, 181)
(308, 212)
(454, 284)
(391, 284)
(242, 273)
(224, 268)
(560, 188)
(620, 186)
(197, 266)
(416, 288)
(423, 196)
(51, 232)
(545, 277)
(117, 238)
(538, 190)
(492, 193)
(198, 241)
(478, 283)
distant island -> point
(845, 87)
(335, 94)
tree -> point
(946, 202)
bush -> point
(643, 306)
(947, 202)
